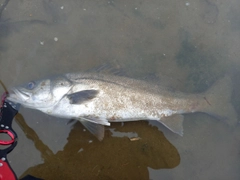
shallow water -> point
(191, 43)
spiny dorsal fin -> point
(107, 68)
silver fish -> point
(98, 99)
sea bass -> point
(98, 99)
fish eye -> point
(31, 85)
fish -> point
(98, 99)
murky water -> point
(193, 43)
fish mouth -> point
(17, 96)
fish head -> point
(40, 94)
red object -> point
(6, 172)
(2, 142)
(7, 114)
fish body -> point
(99, 99)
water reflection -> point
(113, 158)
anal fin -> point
(174, 123)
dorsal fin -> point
(107, 68)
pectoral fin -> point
(82, 96)
(96, 129)
(174, 123)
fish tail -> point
(218, 101)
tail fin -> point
(218, 98)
